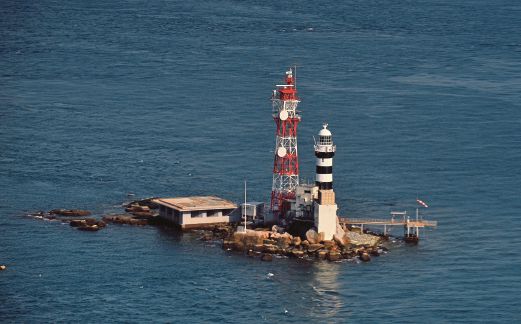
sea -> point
(102, 102)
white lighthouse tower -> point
(325, 206)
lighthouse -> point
(325, 207)
(285, 165)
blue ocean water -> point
(165, 98)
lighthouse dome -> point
(324, 131)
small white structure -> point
(325, 207)
(197, 212)
(253, 210)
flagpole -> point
(244, 209)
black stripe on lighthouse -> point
(324, 169)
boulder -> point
(283, 242)
(296, 241)
(322, 254)
(364, 256)
(3, 267)
(101, 224)
(297, 253)
(269, 241)
(267, 257)
(342, 241)
(258, 248)
(305, 244)
(333, 256)
(329, 244)
(77, 223)
(312, 236)
(90, 221)
(269, 248)
(250, 253)
(321, 237)
(362, 239)
(315, 247)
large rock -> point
(296, 241)
(364, 256)
(283, 242)
(362, 239)
(315, 247)
(269, 248)
(329, 244)
(334, 256)
(342, 241)
(135, 208)
(77, 223)
(3, 267)
(91, 221)
(312, 236)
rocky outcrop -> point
(69, 212)
(147, 202)
(125, 219)
(3, 267)
(258, 243)
(362, 239)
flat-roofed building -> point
(197, 211)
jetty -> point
(411, 227)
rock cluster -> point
(264, 244)
(125, 219)
(64, 215)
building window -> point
(325, 140)
(196, 214)
(212, 213)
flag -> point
(422, 203)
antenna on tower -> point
(295, 75)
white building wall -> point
(325, 220)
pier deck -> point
(388, 222)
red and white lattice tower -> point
(285, 166)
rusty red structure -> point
(285, 165)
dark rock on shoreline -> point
(125, 219)
(260, 243)
(147, 202)
(69, 212)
